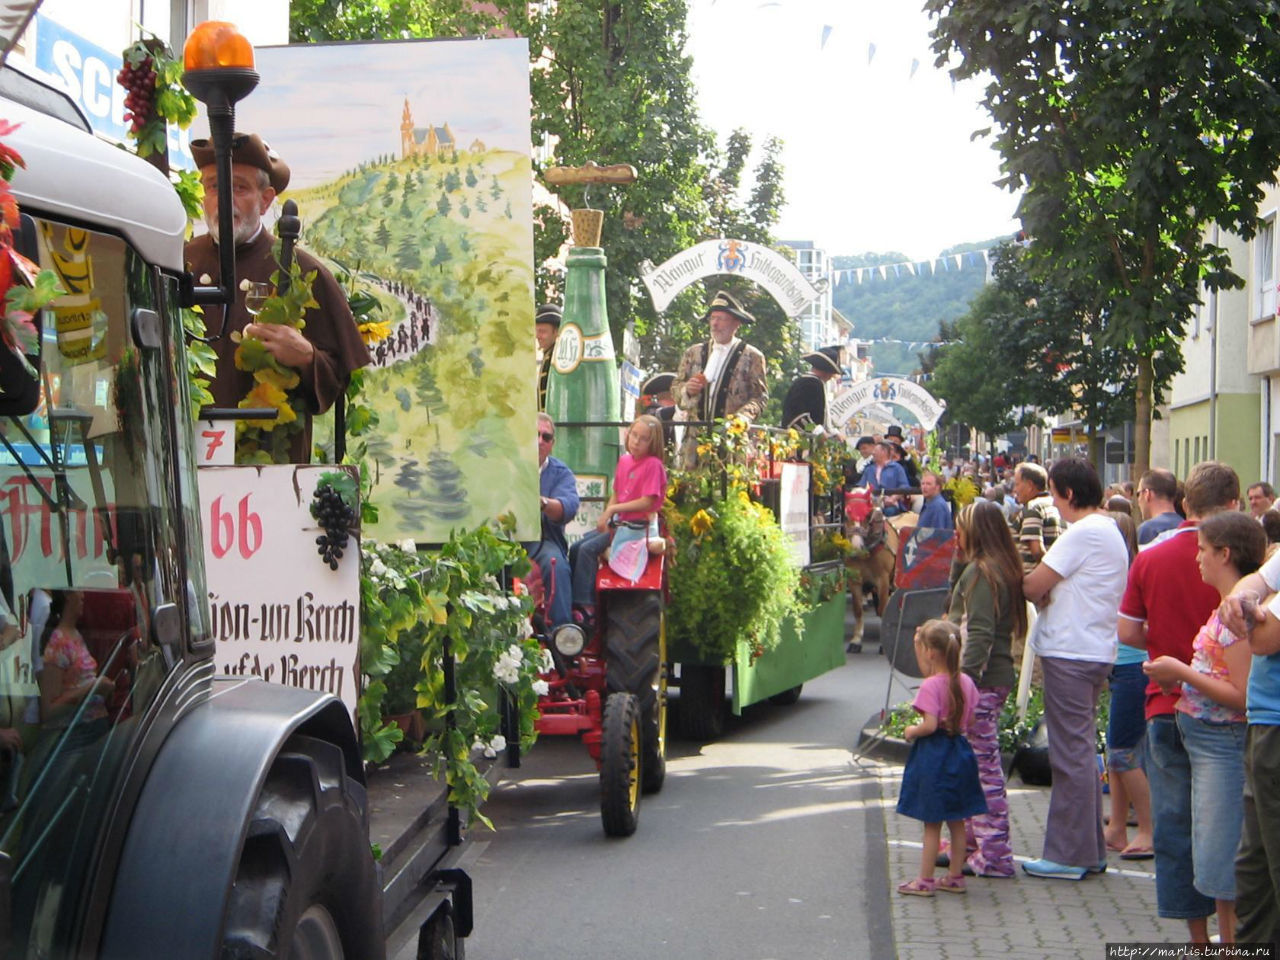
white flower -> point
(408, 546)
(377, 568)
(505, 671)
(205, 279)
(541, 688)
(244, 284)
(516, 653)
(526, 628)
(498, 743)
(546, 663)
(490, 752)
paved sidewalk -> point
(1024, 918)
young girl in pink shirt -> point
(639, 487)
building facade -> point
(1216, 405)
(820, 325)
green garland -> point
(411, 604)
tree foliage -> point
(1129, 126)
(1028, 344)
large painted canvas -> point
(411, 170)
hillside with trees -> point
(906, 307)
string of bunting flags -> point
(916, 268)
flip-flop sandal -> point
(1143, 853)
(919, 887)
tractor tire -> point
(702, 702)
(439, 938)
(634, 655)
(306, 887)
(620, 766)
(787, 697)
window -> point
(1264, 260)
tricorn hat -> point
(656, 384)
(549, 313)
(826, 359)
(723, 301)
(251, 150)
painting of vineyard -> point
(411, 172)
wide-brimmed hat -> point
(656, 384)
(827, 359)
(549, 313)
(251, 150)
(723, 301)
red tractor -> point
(609, 686)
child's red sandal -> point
(949, 884)
(919, 887)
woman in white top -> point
(1078, 586)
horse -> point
(875, 540)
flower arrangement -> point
(25, 287)
(733, 576)
(268, 441)
(412, 606)
(963, 491)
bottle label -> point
(568, 352)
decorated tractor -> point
(608, 686)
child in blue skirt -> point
(940, 784)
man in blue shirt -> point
(558, 489)
(884, 473)
(936, 512)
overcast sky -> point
(876, 158)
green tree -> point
(408, 257)
(443, 205)
(320, 21)
(1029, 344)
(1129, 127)
(383, 236)
(442, 255)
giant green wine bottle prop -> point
(583, 385)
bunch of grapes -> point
(336, 517)
(139, 81)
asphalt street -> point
(768, 843)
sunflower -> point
(701, 523)
(374, 331)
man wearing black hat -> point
(329, 348)
(656, 392)
(805, 405)
(546, 327)
(722, 377)
(894, 436)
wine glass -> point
(255, 296)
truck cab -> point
(147, 807)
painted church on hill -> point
(419, 141)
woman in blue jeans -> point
(1211, 712)
(1126, 738)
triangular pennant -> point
(826, 33)
(915, 65)
(871, 52)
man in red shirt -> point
(1164, 606)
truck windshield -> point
(88, 514)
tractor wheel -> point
(787, 697)
(702, 702)
(635, 650)
(306, 887)
(439, 938)
(620, 765)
